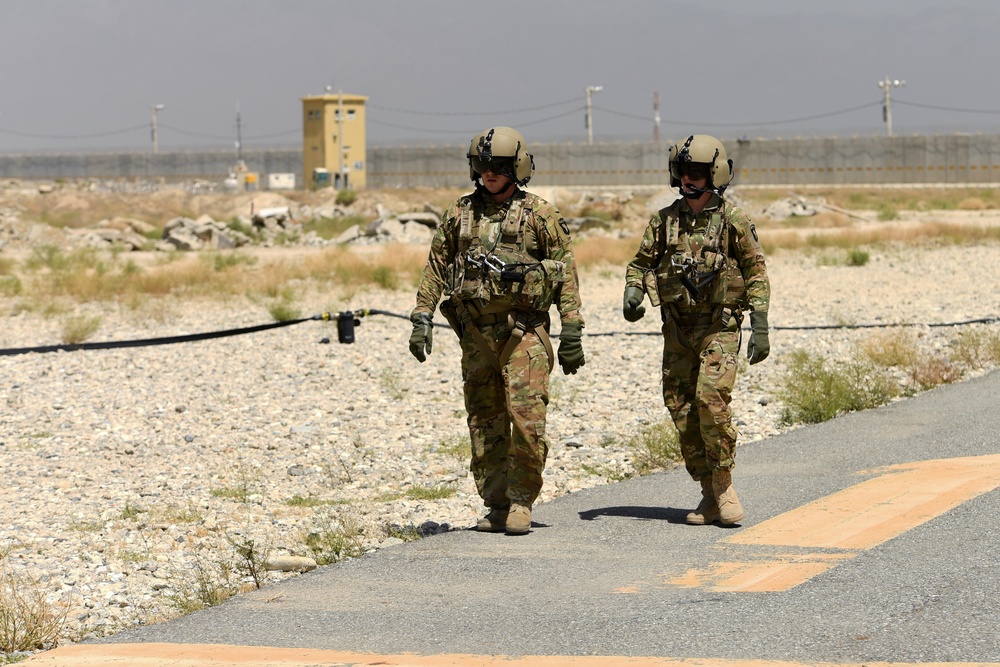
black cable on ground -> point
(347, 320)
(166, 340)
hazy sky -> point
(83, 74)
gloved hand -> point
(632, 307)
(571, 347)
(422, 336)
(758, 347)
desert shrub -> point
(656, 446)
(28, 622)
(976, 348)
(346, 197)
(814, 392)
(857, 257)
(891, 348)
(929, 373)
(79, 328)
(337, 535)
(887, 212)
(209, 584)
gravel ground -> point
(133, 472)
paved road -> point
(871, 538)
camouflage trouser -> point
(698, 387)
(506, 416)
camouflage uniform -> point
(506, 409)
(701, 339)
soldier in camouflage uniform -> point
(501, 257)
(701, 262)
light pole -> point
(153, 109)
(886, 84)
(590, 90)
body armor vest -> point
(493, 266)
(696, 266)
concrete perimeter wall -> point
(973, 159)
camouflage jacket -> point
(743, 246)
(546, 236)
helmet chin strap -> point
(695, 193)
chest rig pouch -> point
(493, 266)
(695, 265)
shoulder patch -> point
(753, 230)
(563, 226)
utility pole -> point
(239, 136)
(656, 117)
(590, 90)
(153, 109)
(885, 84)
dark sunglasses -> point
(502, 166)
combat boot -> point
(494, 522)
(519, 519)
(730, 509)
(708, 510)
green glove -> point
(632, 307)
(758, 346)
(422, 336)
(571, 347)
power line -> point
(34, 135)
(746, 123)
(955, 109)
(373, 121)
(470, 113)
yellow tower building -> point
(333, 141)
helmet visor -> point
(503, 166)
(696, 171)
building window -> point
(350, 114)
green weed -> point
(392, 382)
(346, 197)
(857, 257)
(814, 392)
(209, 585)
(336, 537)
(456, 446)
(437, 492)
(656, 446)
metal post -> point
(885, 85)
(340, 134)
(656, 117)
(590, 90)
(153, 109)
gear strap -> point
(519, 323)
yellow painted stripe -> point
(778, 573)
(861, 517)
(877, 510)
(219, 655)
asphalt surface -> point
(608, 571)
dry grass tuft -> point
(28, 621)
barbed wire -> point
(524, 123)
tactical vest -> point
(696, 269)
(493, 266)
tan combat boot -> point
(708, 510)
(730, 510)
(494, 522)
(519, 519)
